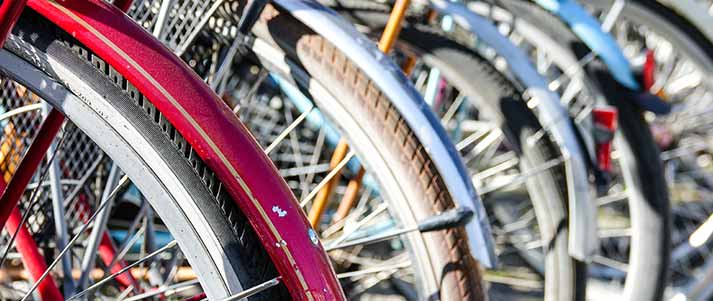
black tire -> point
(691, 46)
(648, 202)
(38, 42)
(500, 100)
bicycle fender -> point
(693, 12)
(390, 79)
(553, 117)
(215, 133)
(587, 28)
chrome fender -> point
(364, 53)
(551, 114)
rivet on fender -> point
(313, 236)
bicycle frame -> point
(552, 115)
(412, 107)
(208, 125)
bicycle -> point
(310, 133)
(586, 73)
(675, 58)
(168, 132)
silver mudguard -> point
(552, 115)
(363, 52)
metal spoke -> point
(166, 291)
(254, 290)
(373, 270)
(502, 165)
(615, 232)
(316, 152)
(60, 222)
(572, 71)
(513, 281)
(380, 209)
(262, 75)
(129, 241)
(168, 246)
(295, 142)
(126, 247)
(612, 198)
(522, 178)
(94, 239)
(288, 130)
(122, 185)
(613, 14)
(453, 109)
(327, 179)
(473, 137)
(225, 65)
(308, 170)
(617, 265)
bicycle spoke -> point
(327, 179)
(392, 267)
(288, 130)
(254, 290)
(617, 265)
(513, 281)
(58, 212)
(126, 247)
(477, 135)
(612, 198)
(98, 284)
(379, 210)
(613, 15)
(453, 109)
(316, 153)
(615, 232)
(523, 177)
(92, 244)
(166, 291)
(122, 185)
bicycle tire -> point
(488, 88)
(642, 168)
(136, 128)
(384, 142)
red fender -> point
(215, 133)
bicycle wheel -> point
(195, 240)
(633, 208)
(518, 173)
(399, 185)
(682, 76)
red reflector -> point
(605, 124)
(649, 70)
